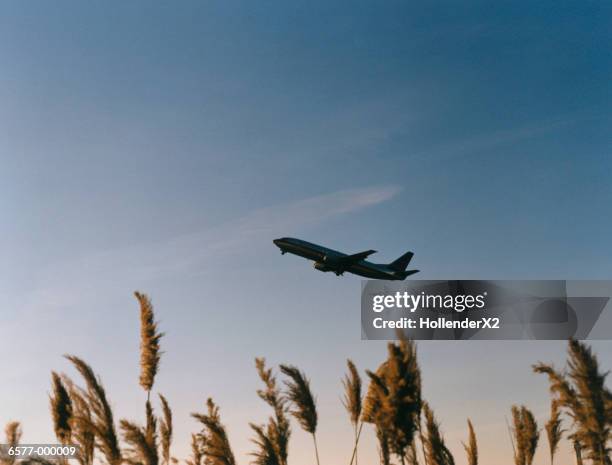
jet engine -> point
(332, 261)
(321, 266)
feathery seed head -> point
(216, 449)
(61, 409)
(299, 393)
(352, 393)
(149, 342)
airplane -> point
(326, 260)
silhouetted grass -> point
(582, 393)
(553, 429)
(471, 448)
(394, 406)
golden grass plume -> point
(61, 409)
(436, 452)
(272, 440)
(266, 453)
(553, 429)
(393, 402)
(81, 422)
(301, 397)
(101, 421)
(12, 433)
(526, 435)
(12, 438)
(165, 429)
(352, 400)
(197, 454)
(471, 448)
(150, 336)
(142, 447)
(216, 447)
(303, 402)
(582, 393)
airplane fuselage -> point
(332, 260)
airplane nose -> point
(277, 242)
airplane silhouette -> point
(331, 260)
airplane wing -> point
(357, 256)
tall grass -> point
(393, 403)
(553, 429)
(12, 438)
(526, 435)
(165, 429)
(100, 420)
(142, 441)
(272, 440)
(582, 393)
(393, 406)
(471, 448)
(81, 422)
(373, 413)
(216, 445)
(577, 451)
(149, 343)
(353, 403)
(61, 409)
(197, 453)
(436, 452)
(304, 406)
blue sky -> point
(161, 146)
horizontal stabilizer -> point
(405, 274)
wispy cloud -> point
(314, 210)
(67, 283)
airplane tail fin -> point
(401, 263)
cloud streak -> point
(71, 283)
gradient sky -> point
(162, 146)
